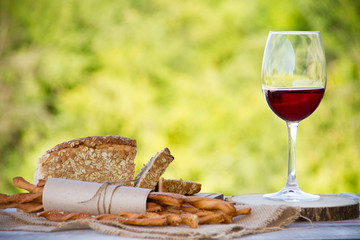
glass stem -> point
(291, 179)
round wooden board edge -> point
(332, 213)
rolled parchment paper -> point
(94, 198)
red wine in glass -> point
(294, 104)
(293, 80)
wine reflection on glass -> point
(293, 82)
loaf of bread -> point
(109, 159)
(93, 159)
(150, 173)
(178, 186)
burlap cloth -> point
(263, 218)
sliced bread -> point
(150, 173)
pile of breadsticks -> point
(28, 202)
(161, 208)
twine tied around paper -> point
(101, 193)
(94, 198)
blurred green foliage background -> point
(181, 74)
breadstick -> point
(32, 197)
(8, 205)
(106, 216)
(147, 215)
(157, 221)
(4, 198)
(59, 216)
(41, 183)
(141, 219)
(30, 207)
(201, 212)
(128, 215)
(192, 220)
(205, 216)
(189, 208)
(212, 204)
(227, 218)
(153, 207)
(21, 198)
(52, 215)
(173, 209)
(171, 199)
(242, 211)
(26, 207)
(213, 218)
(20, 182)
(173, 219)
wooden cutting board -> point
(328, 208)
(211, 195)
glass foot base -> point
(291, 195)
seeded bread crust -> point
(94, 159)
(178, 186)
(150, 173)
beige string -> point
(308, 220)
(101, 192)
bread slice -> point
(93, 159)
(150, 173)
(178, 186)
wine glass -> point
(293, 83)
